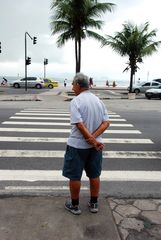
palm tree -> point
(134, 42)
(74, 19)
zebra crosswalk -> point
(27, 126)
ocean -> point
(96, 82)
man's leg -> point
(74, 186)
(94, 191)
(73, 205)
(94, 187)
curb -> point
(16, 100)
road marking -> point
(47, 111)
(59, 118)
(54, 114)
(56, 175)
(60, 154)
(38, 123)
(52, 109)
(64, 140)
(43, 114)
(48, 130)
(39, 188)
(132, 154)
(58, 123)
(41, 118)
(127, 140)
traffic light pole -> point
(45, 63)
(27, 61)
(44, 70)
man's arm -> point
(88, 136)
(104, 125)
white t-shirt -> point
(89, 109)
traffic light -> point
(28, 61)
(34, 40)
(45, 61)
(0, 48)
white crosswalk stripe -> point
(52, 114)
(52, 130)
(58, 119)
(55, 110)
(38, 188)
(60, 154)
(59, 124)
(64, 140)
(56, 175)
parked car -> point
(153, 93)
(145, 86)
(32, 82)
(49, 83)
(157, 80)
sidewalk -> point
(44, 217)
(137, 219)
(103, 93)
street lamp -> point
(28, 59)
(45, 63)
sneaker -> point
(93, 207)
(73, 209)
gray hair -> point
(82, 80)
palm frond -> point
(64, 37)
(95, 35)
(59, 26)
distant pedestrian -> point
(65, 83)
(89, 119)
(107, 83)
(4, 82)
(114, 84)
(90, 82)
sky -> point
(34, 17)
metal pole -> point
(25, 62)
(44, 69)
(26, 33)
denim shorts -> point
(77, 160)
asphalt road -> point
(144, 124)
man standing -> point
(89, 119)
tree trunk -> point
(131, 80)
(76, 55)
(132, 61)
(79, 51)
